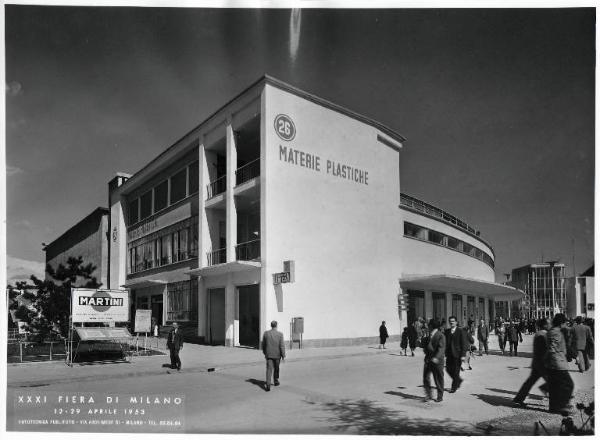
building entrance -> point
(416, 305)
(249, 315)
(157, 309)
(216, 316)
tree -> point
(45, 305)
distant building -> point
(580, 294)
(545, 289)
(87, 239)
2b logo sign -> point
(284, 127)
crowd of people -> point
(556, 343)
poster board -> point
(143, 321)
(97, 305)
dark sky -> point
(497, 106)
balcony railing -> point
(419, 205)
(249, 250)
(218, 256)
(216, 187)
(247, 172)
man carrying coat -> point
(456, 350)
(175, 344)
(582, 338)
(274, 350)
(434, 347)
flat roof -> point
(267, 79)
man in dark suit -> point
(274, 350)
(456, 350)
(434, 347)
(582, 336)
(538, 370)
(175, 344)
(514, 336)
(483, 334)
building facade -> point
(544, 285)
(580, 294)
(280, 178)
(88, 239)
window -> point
(175, 242)
(411, 230)
(183, 244)
(454, 243)
(178, 186)
(436, 237)
(166, 250)
(160, 196)
(133, 211)
(182, 300)
(146, 205)
(193, 177)
(467, 248)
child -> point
(404, 340)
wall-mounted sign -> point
(284, 127)
(114, 234)
(92, 305)
(288, 275)
(281, 277)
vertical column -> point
(448, 306)
(202, 309)
(486, 308)
(402, 315)
(428, 305)
(231, 213)
(229, 311)
(464, 314)
(203, 232)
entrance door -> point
(249, 315)
(416, 305)
(157, 309)
(216, 318)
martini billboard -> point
(93, 305)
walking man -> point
(537, 363)
(434, 349)
(514, 336)
(501, 333)
(560, 384)
(456, 350)
(383, 334)
(483, 333)
(582, 337)
(175, 344)
(274, 351)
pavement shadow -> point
(367, 417)
(495, 400)
(531, 396)
(166, 365)
(404, 395)
(259, 383)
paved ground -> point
(353, 390)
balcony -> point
(247, 172)
(216, 187)
(421, 206)
(218, 256)
(249, 250)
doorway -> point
(216, 316)
(157, 308)
(249, 315)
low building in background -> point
(87, 239)
(580, 294)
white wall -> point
(342, 235)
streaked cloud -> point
(14, 88)
(295, 22)
(12, 171)
(18, 269)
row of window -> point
(426, 234)
(169, 245)
(173, 189)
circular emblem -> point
(114, 234)
(284, 127)
(101, 308)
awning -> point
(139, 284)
(221, 269)
(461, 285)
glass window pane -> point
(146, 205)
(160, 196)
(178, 185)
(133, 212)
(193, 177)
